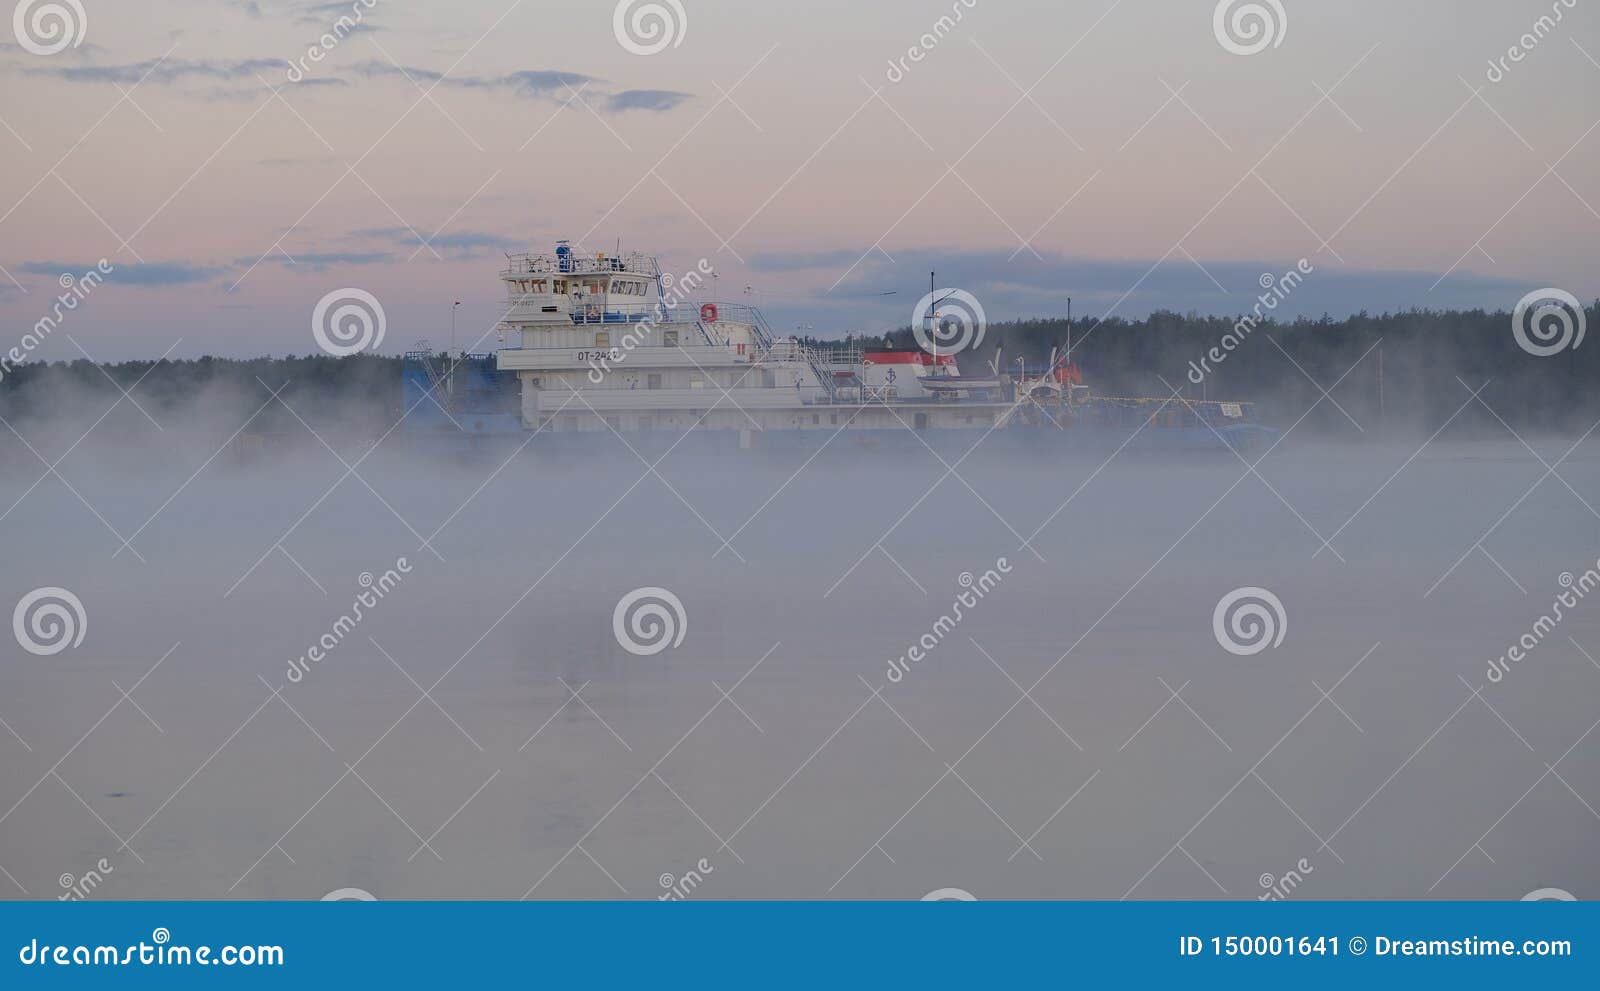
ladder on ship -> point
(425, 359)
(823, 376)
(767, 346)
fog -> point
(1144, 761)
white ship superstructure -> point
(607, 342)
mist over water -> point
(800, 782)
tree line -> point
(1412, 370)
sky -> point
(823, 157)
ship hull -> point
(947, 443)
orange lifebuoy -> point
(708, 313)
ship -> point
(600, 347)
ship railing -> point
(787, 349)
(839, 354)
(747, 314)
(601, 263)
(526, 263)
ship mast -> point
(933, 316)
(1069, 330)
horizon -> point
(992, 328)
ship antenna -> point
(1069, 330)
(933, 320)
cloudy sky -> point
(1120, 152)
